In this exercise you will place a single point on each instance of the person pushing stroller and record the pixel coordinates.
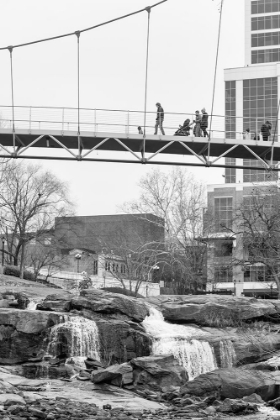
(184, 130)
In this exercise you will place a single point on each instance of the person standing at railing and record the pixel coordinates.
(266, 130)
(197, 127)
(204, 123)
(159, 119)
(247, 134)
(140, 131)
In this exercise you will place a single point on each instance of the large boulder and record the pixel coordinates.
(158, 373)
(22, 333)
(212, 310)
(120, 341)
(234, 383)
(110, 303)
(116, 375)
(56, 302)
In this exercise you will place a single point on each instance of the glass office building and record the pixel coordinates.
(252, 92)
(251, 98)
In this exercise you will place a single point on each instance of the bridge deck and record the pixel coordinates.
(155, 145)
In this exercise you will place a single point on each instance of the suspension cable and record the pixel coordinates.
(146, 82)
(215, 72)
(12, 92)
(83, 30)
(276, 123)
(274, 135)
(78, 76)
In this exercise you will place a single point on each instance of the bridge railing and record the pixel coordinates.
(111, 121)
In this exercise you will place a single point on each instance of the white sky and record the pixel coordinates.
(183, 41)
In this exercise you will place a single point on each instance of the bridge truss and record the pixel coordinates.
(113, 134)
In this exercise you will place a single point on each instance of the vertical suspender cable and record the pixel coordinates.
(274, 134)
(215, 75)
(146, 83)
(12, 90)
(78, 92)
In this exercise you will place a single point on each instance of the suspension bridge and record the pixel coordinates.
(84, 134)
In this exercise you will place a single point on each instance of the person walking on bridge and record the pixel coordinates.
(159, 118)
(204, 123)
(197, 122)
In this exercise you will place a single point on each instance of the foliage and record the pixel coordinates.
(121, 291)
(11, 270)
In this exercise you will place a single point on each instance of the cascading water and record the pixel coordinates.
(195, 356)
(75, 337)
(32, 306)
(227, 353)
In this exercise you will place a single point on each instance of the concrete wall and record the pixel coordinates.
(70, 281)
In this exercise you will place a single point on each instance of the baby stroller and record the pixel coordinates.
(184, 130)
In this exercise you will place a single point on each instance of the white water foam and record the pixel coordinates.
(80, 335)
(227, 353)
(195, 356)
(32, 306)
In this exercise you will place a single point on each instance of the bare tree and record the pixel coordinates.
(45, 253)
(255, 228)
(178, 199)
(258, 221)
(30, 200)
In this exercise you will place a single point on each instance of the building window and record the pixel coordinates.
(251, 175)
(265, 56)
(107, 266)
(123, 269)
(265, 22)
(223, 275)
(259, 105)
(265, 39)
(223, 248)
(230, 173)
(95, 267)
(223, 213)
(254, 273)
(115, 268)
(265, 6)
(230, 109)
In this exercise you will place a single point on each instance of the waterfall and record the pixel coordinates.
(227, 354)
(75, 337)
(194, 355)
(32, 306)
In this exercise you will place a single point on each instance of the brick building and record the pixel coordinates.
(111, 232)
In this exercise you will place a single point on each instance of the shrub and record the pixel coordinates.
(121, 291)
(12, 270)
(27, 275)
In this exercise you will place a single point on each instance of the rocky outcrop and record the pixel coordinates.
(22, 333)
(98, 302)
(158, 373)
(56, 302)
(118, 375)
(209, 310)
(110, 303)
(121, 342)
(234, 383)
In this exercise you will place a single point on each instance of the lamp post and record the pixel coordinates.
(3, 245)
(78, 257)
(154, 267)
